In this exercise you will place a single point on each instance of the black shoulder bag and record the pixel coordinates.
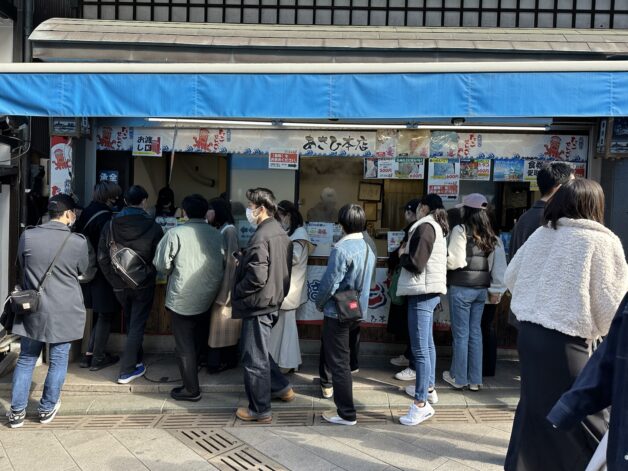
(348, 301)
(26, 301)
(127, 263)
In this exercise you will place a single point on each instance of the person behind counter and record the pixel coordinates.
(191, 255)
(351, 261)
(262, 283)
(224, 332)
(423, 280)
(98, 293)
(476, 263)
(165, 206)
(132, 228)
(284, 338)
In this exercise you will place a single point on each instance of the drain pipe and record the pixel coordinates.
(28, 29)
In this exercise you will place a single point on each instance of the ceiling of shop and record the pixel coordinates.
(60, 39)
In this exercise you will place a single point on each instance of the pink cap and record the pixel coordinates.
(474, 200)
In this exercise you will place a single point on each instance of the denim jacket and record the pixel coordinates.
(344, 272)
(603, 382)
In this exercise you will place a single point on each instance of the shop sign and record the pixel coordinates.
(444, 178)
(477, 170)
(146, 145)
(287, 160)
(379, 302)
(566, 147)
(321, 234)
(60, 165)
(203, 140)
(530, 171)
(68, 127)
(394, 239)
(406, 168)
(114, 138)
(508, 170)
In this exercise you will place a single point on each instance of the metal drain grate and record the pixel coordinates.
(376, 417)
(484, 416)
(188, 421)
(120, 421)
(207, 443)
(245, 459)
(60, 422)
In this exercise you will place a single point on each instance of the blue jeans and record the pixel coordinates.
(421, 333)
(466, 306)
(23, 374)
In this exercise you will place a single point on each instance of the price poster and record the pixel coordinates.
(475, 169)
(288, 160)
(444, 178)
(410, 168)
(321, 234)
(394, 239)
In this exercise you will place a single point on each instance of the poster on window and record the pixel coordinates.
(370, 167)
(386, 168)
(508, 170)
(286, 160)
(394, 239)
(386, 145)
(579, 168)
(60, 165)
(444, 178)
(413, 143)
(530, 171)
(321, 234)
(146, 145)
(410, 168)
(475, 169)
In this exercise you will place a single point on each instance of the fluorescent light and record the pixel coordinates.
(349, 126)
(216, 122)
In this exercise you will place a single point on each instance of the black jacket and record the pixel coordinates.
(98, 293)
(263, 274)
(529, 222)
(136, 230)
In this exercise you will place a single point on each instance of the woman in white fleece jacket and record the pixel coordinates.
(566, 282)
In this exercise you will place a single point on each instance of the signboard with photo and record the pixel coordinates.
(60, 165)
(508, 170)
(413, 143)
(444, 178)
(475, 169)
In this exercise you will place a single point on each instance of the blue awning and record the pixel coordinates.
(317, 96)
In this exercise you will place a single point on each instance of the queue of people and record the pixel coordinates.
(567, 277)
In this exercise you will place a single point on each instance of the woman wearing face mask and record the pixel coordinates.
(284, 337)
(224, 332)
(423, 279)
(98, 293)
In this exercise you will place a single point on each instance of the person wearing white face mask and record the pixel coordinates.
(284, 338)
(52, 253)
(262, 282)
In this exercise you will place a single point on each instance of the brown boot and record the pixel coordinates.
(288, 396)
(243, 413)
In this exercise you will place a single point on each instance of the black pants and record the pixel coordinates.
(550, 362)
(336, 362)
(222, 357)
(185, 331)
(489, 340)
(136, 305)
(324, 372)
(100, 334)
(262, 377)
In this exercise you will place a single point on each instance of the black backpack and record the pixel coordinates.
(127, 263)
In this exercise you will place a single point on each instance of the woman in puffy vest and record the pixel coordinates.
(423, 279)
(476, 263)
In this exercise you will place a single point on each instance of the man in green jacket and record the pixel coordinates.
(191, 255)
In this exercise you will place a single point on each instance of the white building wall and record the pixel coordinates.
(6, 40)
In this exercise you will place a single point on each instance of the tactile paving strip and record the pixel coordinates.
(487, 416)
(292, 418)
(184, 421)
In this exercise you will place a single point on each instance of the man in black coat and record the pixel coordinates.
(98, 293)
(132, 228)
(261, 284)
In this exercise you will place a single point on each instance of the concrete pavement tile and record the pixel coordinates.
(452, 465)
(127, 404)
(504, 427)
(342, 455)
(363, 399)
(209, 401)
(22, 453)
(398, 431)
(5, 463)
(299, 435)
(160, 451)
(97, 450)
(292, 456)
(495, 397)
(253, 436)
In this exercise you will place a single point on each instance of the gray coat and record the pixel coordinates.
(61, 314)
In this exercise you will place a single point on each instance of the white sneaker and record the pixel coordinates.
(406, 375)
(474, 387)
(327, 392)
(401, 360)
(333, 418)
(417, 414)
(451, 381)
(432, 397)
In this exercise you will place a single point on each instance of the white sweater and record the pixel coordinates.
(569, 279)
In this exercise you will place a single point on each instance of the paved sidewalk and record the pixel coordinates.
(88, 392)
(430, 446)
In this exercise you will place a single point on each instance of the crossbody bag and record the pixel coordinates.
(348, 301)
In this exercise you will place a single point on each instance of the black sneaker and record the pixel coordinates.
(47, 417)
(16, 419)
(104, 362)
(85, 361)
(181, 394)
